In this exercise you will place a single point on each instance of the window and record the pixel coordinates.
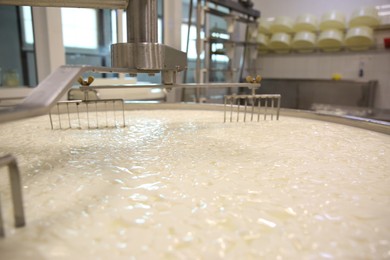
(192, 41)
(219, 46)
(28, 32)
(79, 28)
(114, 27)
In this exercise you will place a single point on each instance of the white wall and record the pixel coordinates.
(322, 66)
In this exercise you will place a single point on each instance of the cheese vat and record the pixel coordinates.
(180, 184)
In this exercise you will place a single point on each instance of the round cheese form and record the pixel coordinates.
(306, 22)
(280, 42)
(330, 40)
(304, 41)
(332, 20)
(365, 16)
(359, 38)
(182, 184)
(282, 24)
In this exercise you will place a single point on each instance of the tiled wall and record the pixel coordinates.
(376, 66)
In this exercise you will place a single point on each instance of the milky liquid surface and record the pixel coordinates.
(182, 184)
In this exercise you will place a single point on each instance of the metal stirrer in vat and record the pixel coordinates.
(94, 109)
(254, 101)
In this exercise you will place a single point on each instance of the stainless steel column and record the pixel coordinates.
(142, 21)
(142, 52)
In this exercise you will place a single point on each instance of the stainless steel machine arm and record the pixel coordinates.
(101, 4)
(55, 86)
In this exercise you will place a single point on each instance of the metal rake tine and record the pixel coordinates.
(231, 109)
(278, 109)
(238, 109)
(86, 104)
(123, 113)
(246, 104)
(59, 117)
(97, 117)
(253, 108)
(78, 114)
(269, 104)
(67, 110)
(105, 108)
(224, 109)
(113, 109)
(91, 105)
(51, 121)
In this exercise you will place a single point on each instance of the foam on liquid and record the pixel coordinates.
(181, 184)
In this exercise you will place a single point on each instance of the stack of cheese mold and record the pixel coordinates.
(330, 40)
(329, 34)
(360, 35)
(365, 16)
(282, 24)
(280, 42)
(305, 39)
(332, 20)
(331, 37)
(359, 38)
(306, 22)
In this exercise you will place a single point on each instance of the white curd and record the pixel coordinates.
(182, 184)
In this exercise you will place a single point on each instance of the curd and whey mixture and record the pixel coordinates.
(184, 185)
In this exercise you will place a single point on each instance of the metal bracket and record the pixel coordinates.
(16, 189)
